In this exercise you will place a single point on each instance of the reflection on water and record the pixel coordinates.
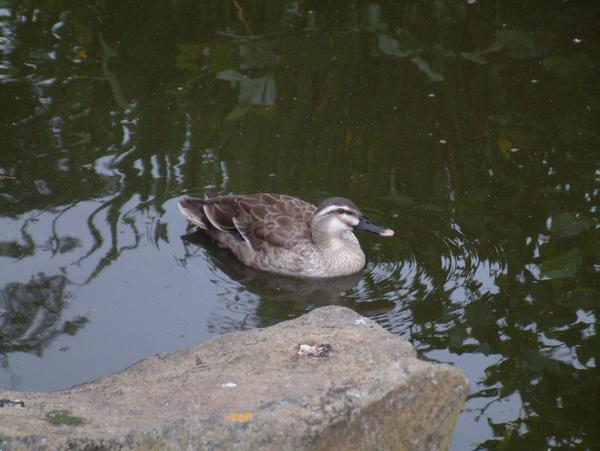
(268, 298)
(31, 314)
(468, 127)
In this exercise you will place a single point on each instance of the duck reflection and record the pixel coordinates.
(281, 297)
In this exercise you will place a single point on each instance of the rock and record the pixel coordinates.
(353, 386)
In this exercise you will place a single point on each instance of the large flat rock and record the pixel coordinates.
(252, 390)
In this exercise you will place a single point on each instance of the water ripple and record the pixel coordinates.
(446, 266)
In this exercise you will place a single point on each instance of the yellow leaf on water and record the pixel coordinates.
(504, 144)
(79, 53)
(242, 416)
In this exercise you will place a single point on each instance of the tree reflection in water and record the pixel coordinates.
(30, 314)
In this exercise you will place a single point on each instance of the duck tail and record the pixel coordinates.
(193, 210)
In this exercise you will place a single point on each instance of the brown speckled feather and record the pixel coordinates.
(262, 219)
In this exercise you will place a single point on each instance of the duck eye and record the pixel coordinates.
(341, 211)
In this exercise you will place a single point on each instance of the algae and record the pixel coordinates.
(63, 417)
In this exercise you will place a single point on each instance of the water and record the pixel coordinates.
(470, 128)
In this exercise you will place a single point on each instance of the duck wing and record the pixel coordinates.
(262, 219)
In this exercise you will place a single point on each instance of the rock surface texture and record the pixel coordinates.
(353, 386)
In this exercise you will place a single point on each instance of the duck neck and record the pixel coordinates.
(342, 251)
(335, 242)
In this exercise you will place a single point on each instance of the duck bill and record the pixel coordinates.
(365, 225)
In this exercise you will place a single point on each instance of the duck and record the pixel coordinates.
(283, 234)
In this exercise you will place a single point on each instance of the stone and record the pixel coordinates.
(353, 386)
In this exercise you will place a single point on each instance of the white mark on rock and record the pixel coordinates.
(356, 394)
(322, 350)
(229, 385)
(360, 322)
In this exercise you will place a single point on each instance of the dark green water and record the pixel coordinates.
(472, 128)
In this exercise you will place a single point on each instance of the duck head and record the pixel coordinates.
(337, 216)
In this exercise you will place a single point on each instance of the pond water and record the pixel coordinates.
(471, 128)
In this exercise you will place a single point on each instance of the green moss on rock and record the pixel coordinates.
(63, 417)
